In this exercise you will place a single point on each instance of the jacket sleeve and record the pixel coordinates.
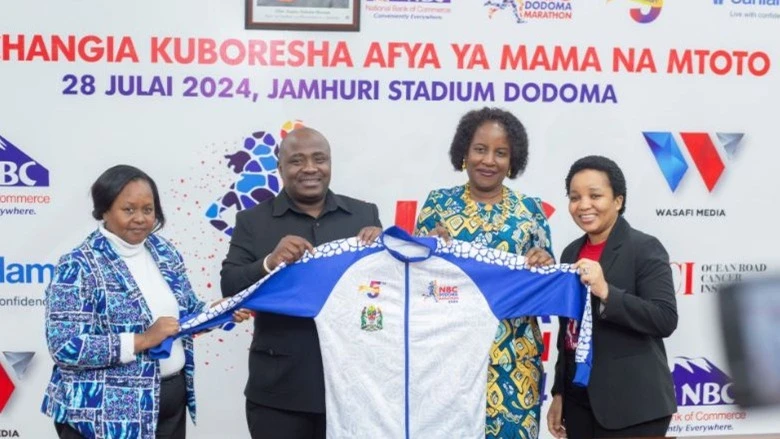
(241, 267)
(428, 217)
(73, 314)
(560, 363)
(192, 302)
(652, 308)
(542, 237)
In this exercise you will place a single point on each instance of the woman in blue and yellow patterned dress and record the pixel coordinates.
(491, 144)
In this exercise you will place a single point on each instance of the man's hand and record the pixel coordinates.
(290, 249)
(239, 315)
(367, 235)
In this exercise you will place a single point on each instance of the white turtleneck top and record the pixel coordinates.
(155, 291)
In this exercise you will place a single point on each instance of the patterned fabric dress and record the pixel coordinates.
(513, 403)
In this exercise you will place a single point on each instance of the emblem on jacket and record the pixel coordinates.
(372, 289)
(441, 293)
(371, 318)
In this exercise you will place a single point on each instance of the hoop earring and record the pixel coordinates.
(463, 167)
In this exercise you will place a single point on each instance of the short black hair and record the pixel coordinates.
(515, 135)
(112, 181)
(600, 163)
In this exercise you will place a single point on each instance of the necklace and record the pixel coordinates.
(472, 211)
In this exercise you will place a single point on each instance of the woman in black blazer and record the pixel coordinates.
(630, 392)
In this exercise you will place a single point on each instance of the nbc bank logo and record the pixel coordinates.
(698, 382)
(19, 169)
(702, 150)
(647, 10)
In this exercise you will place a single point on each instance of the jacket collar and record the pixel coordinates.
(282, 203)
(615, 241)
(153, 243)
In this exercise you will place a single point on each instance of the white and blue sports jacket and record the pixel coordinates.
(405, 326)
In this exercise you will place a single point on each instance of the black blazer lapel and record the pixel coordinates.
(609, 255)
(569, 255)
(615, 241)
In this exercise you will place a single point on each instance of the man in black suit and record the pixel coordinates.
(630, 392)
(285, 393)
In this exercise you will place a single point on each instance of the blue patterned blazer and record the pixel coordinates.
(93, 298)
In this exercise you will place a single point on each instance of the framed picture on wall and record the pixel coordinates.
(332, 15)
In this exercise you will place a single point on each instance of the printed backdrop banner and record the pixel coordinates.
(198, 94)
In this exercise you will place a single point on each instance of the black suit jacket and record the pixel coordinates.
(630, 381)
(285, 364)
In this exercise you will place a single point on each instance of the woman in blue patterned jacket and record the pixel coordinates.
(118, 294)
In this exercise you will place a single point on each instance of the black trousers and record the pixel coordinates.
(172, 419)
(270, 423)
(580, 424)
(65, 431)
